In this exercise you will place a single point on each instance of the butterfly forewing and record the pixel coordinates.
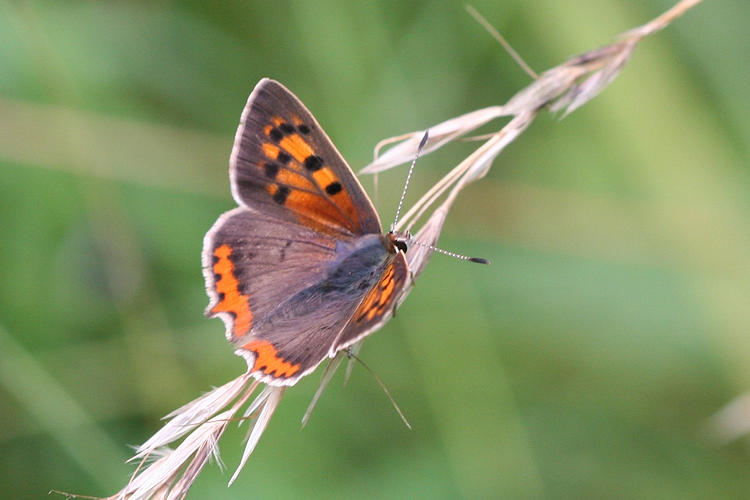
(283, 158)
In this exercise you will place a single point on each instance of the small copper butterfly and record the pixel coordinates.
(301, 269)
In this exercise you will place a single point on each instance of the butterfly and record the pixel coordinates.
(301, 269)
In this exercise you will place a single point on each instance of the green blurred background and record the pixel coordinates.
(584, 362)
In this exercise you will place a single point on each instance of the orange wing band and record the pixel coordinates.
(379, 298)
(227, 286)
(268, 361)
(299, 173)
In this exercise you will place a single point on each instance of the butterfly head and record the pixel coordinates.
(398, 242)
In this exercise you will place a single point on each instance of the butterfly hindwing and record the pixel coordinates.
(252, 261)
(286, 291)
(283, 157)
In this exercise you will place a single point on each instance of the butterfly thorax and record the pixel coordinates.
(359, 264)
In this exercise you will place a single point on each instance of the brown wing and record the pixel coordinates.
(283, 158)
(377, 307)
(284, 290)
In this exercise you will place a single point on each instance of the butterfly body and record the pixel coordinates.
(301, 268)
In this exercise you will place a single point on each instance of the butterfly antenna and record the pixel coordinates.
(408, 177)
(477, 260)
(382, 386)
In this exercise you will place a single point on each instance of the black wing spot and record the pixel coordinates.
(287, 128)
(276, 134)
(313, 163)
(281, 195)
(283, 158)
(304, 129)
(333, 188)
(271, 169)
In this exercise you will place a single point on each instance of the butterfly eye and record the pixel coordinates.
(400, 245)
